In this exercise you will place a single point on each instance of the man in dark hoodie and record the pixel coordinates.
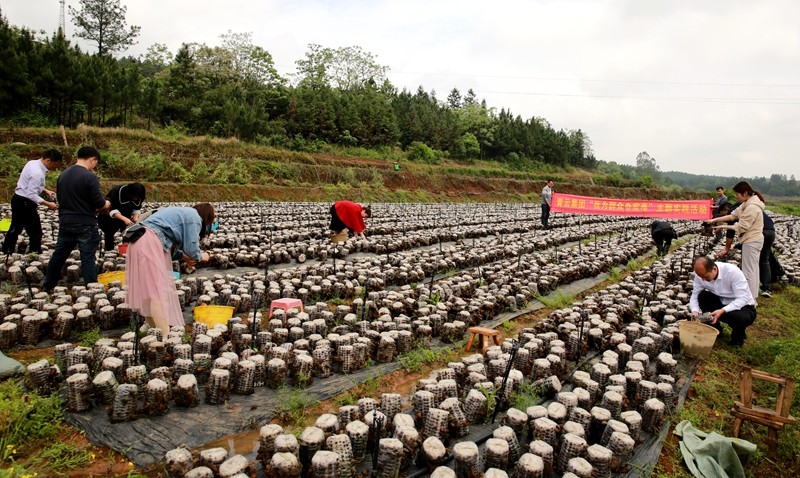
(662, 233)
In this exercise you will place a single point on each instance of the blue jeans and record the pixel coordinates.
(87, 238)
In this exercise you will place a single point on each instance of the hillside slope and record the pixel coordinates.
(202, 168)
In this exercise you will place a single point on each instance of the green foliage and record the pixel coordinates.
(509, 327)
(87, 338)
(419, 151)
(103, 22)
(27, 417)
(231, 173)
(291, 405)
(61, 456)
(491, 400)
(556, 300)
(413, 361)
(525, 396)
(11, 164)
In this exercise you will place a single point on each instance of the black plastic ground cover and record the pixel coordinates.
(145, 440)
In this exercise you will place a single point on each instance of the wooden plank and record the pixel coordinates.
(746, 386)
(769, 377)
(758, 420)
(786, 404)
(483, 331)
(765, 413)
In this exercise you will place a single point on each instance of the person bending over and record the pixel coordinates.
(349, 216)
(662, 233)
(126, 204)
(721, 290)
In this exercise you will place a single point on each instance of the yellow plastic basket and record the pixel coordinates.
(213, 314)
(5, 224)
(107, 277)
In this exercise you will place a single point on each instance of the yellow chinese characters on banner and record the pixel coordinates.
(695, 209)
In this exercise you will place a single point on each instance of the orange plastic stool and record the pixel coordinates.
(285, 304)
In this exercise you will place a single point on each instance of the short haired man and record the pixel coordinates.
(547, 201)
(721, 199)
(80, 199)
(721, 289)
(26, 201)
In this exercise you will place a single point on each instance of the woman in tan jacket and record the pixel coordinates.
(749, 229)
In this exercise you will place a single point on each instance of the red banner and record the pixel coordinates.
(696, 209)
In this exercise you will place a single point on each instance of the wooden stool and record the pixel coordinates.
(774, 419)
(483, 337)
(285, 304)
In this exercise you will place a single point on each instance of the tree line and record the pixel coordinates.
(337, 96)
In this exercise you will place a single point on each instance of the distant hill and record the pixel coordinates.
(776, 185)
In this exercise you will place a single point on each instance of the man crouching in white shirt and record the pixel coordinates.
(721, 290)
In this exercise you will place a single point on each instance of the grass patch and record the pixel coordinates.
(30, 425)
(525, 396)
(292, 405)
(414, 360)
(773, 345)
(509, 327)
(87, 338)
(556, 300)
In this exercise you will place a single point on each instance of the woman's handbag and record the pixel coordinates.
(133, 233)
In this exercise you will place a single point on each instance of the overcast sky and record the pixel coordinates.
(705, 87)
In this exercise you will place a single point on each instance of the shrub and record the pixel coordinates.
(419, 151)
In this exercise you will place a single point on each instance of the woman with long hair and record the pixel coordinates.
(749, 228)
(172, 233)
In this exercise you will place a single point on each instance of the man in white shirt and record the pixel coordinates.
(547, 201)
(721, 290)
(26, 201)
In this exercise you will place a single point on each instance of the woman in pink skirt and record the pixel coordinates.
(174, 232)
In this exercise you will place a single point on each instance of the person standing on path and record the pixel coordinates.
(80, 199)
(764, 268)
(749, 228)
(26, 201)
(547, 200)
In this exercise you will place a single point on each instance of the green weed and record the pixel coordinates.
(87, 338)
(61, 456)
(509, 327)
(556, 300)
(413, 360)
(27, 417)
(525, 396)
(292, 405)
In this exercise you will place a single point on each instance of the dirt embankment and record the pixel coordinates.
(315, 177)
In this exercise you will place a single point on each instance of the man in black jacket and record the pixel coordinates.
(79, 200)
(662, 233)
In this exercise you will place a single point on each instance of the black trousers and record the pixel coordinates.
(110, 227)
(663, 240)
(24, 216)
(337, 225)
(764, 271)
(737, 320)
(545, 215)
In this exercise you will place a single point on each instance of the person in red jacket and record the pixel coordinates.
(347, 215)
